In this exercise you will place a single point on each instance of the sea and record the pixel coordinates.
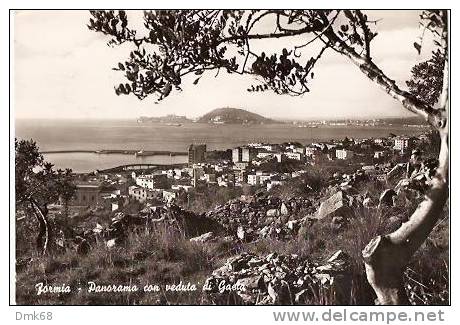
(55, 135)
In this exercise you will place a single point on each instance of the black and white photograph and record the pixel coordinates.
(230, 157)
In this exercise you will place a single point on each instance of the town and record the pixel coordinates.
(260, 166)
(259, 219)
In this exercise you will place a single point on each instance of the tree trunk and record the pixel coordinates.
(386, 257)
(44, 233)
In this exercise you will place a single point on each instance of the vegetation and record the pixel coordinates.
(160, 256)
(190, 42)
(37, 185)
(203, 197)
(229, 115)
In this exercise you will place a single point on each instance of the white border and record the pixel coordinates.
(200, 314)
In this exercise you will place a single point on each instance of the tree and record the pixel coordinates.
(189, 42)
(38, 185)
(427, 77)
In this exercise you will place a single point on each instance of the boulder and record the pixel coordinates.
(240, 233)
(278, 279)
(273, 213)
(387, 198)
(334, 205)
(111, 243)
(203, 238)
(253, 282)
(284, 209)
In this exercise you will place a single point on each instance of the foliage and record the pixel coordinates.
(36, 179)
(192, 41)
(427, 79)
(37, 185)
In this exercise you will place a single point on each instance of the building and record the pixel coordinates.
(87, 194)
(241, 165)
(198, 173)
(253, 179)
(180, 187)
(226, 180)
(170, 195)
(152, 181)
(196, 153)
(210, 177)
(310, 151)
(402, 144)
(242, 154)
(241, 177)
(379, 154)
(344, 154)
(143, 194)
(280, 157)
(294, 155)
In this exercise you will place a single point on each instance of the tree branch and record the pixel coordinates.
(408, 100)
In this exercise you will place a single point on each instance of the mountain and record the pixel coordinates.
(230, 115)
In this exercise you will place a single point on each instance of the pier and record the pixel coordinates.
(134, 167)
(139, 153)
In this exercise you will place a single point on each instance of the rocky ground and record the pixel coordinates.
(251, 278)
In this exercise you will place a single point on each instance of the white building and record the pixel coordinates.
(278, 155)
(149, 181)
(310, 151)
(242, 154)
(142, 194)
(402, 143)
(253, 179)
(294, 155)
(344, 154)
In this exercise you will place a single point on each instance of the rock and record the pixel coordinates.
(301, 296)
(98, 229)
(255, 261)
(387, 198)
(337, 222)
(367, 202)
(203, 238)
(272, 293)
(284, 209)
(254, 282)
(273, 213)
(292, 224)
(111, 243)
(240, 233)
(335, 204)
(278, 279)
(339, 255)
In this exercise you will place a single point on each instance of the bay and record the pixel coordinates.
(53, 135)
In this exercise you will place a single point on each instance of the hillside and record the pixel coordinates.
(229, 115)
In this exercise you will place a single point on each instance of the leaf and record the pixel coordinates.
(122, 89)
(121, 66)
(167, 90)
(196, 81)
(418, 47)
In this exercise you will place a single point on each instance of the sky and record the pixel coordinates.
(64, 70)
